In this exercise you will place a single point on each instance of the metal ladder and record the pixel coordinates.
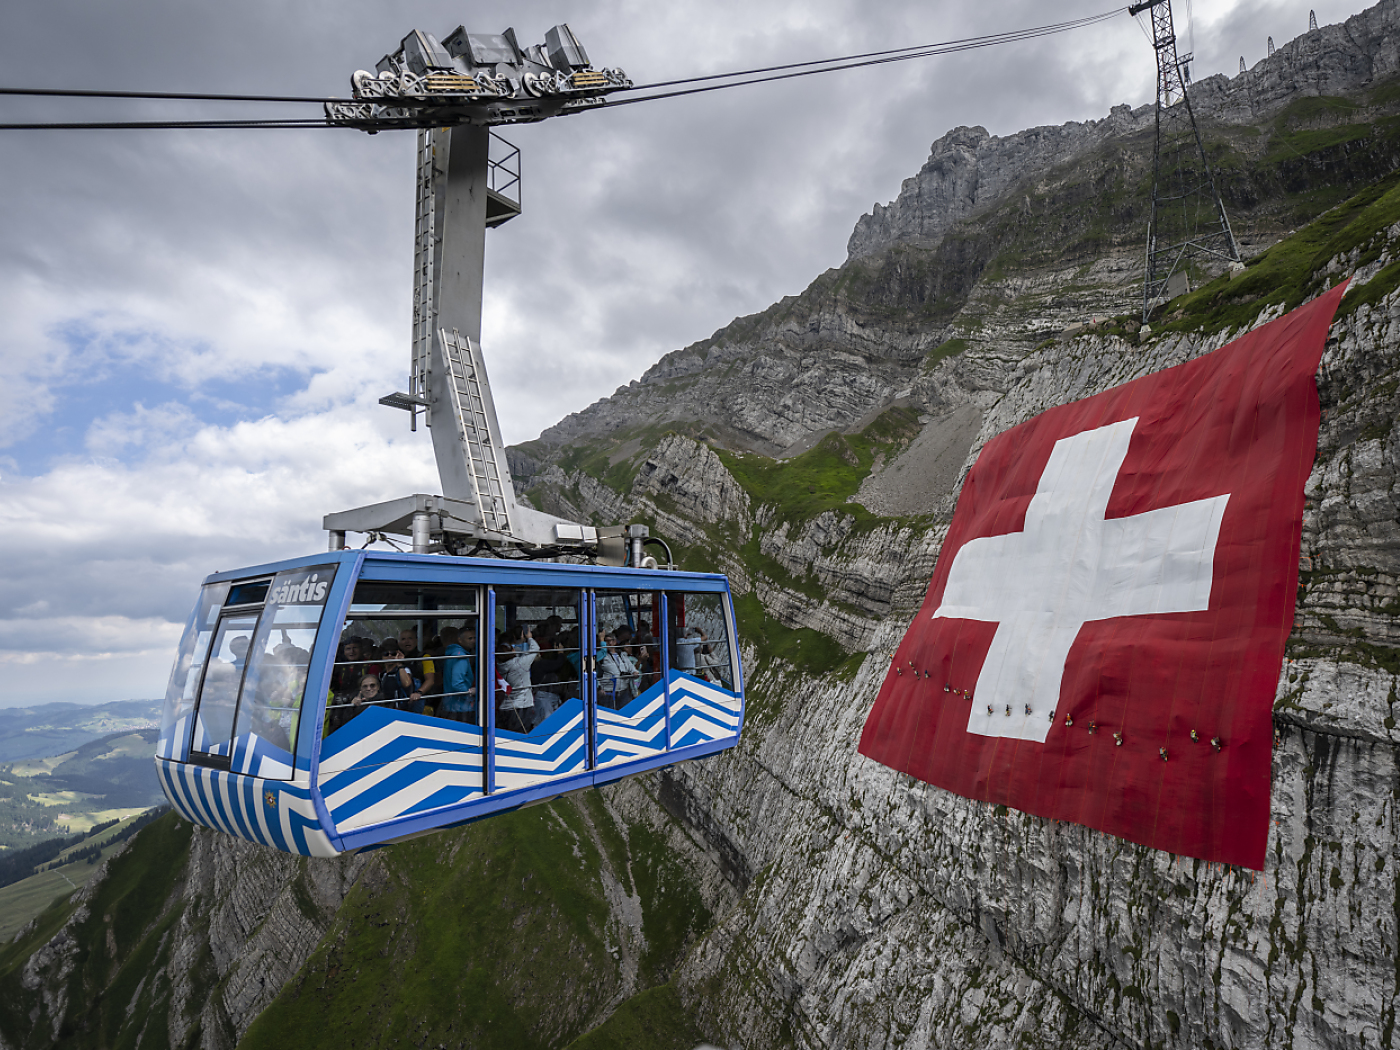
(424, 245)
(476, 420)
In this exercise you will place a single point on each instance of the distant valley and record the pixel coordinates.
(66, 767)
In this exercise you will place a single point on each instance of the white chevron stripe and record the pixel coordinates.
(515, 763)
(232, 805)
(379, 770)
(683, 683)
(527, 745)
(704, 695)
(642, 734)
(728, 723)
(441, 738)
(709, 730)
(399, 803)
(612, 717)
(186, 804)
(706, 698)
(206, 807)
(509, 780)
(611, 756)
(466, 760)
(211, 790)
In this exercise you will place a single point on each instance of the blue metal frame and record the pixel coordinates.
(665, 648)
(486, 697)
(204, 795)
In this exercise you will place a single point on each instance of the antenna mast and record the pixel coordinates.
(1187, 216)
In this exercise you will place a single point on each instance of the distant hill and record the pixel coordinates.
(53, 729)
(101, 779)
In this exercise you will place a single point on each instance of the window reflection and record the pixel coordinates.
(538, 656)
(629, 650)
(698, 636)
(218, 698)
(189, 668)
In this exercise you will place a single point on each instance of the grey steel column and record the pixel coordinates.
(460, 266)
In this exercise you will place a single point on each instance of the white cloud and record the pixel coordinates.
(233, 303)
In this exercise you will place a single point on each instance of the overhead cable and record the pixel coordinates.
(741, 78)
(907, 52)
(100, 124)
(834, 65)
(174, 96)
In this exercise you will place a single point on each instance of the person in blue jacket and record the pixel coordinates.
(458, 701)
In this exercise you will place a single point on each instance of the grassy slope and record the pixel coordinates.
(493, 935)
(110, 993)
(23, 900)
(1292, 270)
(653, 1020)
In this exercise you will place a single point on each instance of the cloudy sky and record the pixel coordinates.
(195, 326)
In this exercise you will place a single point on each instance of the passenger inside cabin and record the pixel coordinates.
(551, 677)
(458, 701)
(397, 682)
(366, 694)
(617, 673)
(690, 640)
(514, 655)
(349, 669)
(427, 670)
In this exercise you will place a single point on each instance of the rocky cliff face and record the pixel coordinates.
(184, 941)
(891, 913)
(883, 912)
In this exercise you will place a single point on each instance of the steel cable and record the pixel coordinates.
(742, 78)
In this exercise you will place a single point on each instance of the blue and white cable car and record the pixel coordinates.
(279, 729)
(344, 700)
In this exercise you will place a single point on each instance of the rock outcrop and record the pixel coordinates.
(970, 170)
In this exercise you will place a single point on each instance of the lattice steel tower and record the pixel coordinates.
(1188, 218)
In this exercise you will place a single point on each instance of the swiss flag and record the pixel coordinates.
(1103, 634)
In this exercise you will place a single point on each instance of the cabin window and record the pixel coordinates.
(223, 674)
(698, 637)
(189, 668)
(270, 705)
(539, 650)
(410, 647)
(629, 647)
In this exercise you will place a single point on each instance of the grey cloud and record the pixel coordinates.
(645, 228)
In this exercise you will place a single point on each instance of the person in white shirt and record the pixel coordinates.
(517, 652)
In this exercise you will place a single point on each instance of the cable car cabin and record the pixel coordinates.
(304, 714)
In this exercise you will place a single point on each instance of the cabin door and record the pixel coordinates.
(631, 686)
(541, 688)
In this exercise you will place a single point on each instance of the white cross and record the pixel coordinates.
(1070, 566)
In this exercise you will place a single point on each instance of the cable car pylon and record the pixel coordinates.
(1187, 218)
(454, 92)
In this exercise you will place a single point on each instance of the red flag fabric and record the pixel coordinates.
(1103, 634)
